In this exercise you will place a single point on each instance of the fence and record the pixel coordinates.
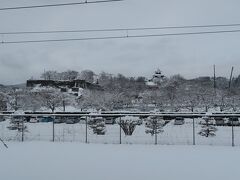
(187, 133)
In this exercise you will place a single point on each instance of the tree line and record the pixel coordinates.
(120, 92)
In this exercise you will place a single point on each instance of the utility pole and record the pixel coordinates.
(214, 78)
(230, 80)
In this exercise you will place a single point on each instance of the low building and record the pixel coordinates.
(63, 84)
(74, 87)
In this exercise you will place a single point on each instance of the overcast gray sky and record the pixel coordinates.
(190, 56)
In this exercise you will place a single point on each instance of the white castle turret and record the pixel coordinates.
(158, 76)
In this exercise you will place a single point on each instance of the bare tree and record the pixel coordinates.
(206, 97)
(101, 100)
(87, 75)
(32, 101)
(50, 75)
(69, 75)
(171, 95)
(16, 99)
(105, 80)
(51, 98)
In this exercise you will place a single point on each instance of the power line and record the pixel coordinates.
(121, 29)
(121, 37)
(57, 5)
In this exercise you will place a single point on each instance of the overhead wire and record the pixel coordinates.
(57, 5)
(121, 29)
(122, 37)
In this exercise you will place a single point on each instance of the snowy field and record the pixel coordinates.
(172, 135)
(75, 161)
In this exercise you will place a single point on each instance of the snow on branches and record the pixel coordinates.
(128, 124)
(97, 124)
(154, 125)
(50, 98)
(208, 130)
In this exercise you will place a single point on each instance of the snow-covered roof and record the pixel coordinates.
(150, 83)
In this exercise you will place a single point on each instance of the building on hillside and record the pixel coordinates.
(74, 85)
(156, 79)
(151, 85)
(158, 76)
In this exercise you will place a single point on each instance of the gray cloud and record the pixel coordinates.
(191, 56)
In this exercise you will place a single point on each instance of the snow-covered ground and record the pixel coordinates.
(74, 161)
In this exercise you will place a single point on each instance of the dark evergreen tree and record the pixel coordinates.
(208, 129)
(97, 125)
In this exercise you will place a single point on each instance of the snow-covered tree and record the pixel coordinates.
(155, 97)
(50, 75)
(188, 97)
(69, 75)
(87, 75)
(105, 79)
(32, 101)
(208, 130)
(17, 123)
(3, 103)
(101, 100)
(97, 124)
(154, 126)
(51, 98)
(16, 99)
(128, 124)
(171, 89)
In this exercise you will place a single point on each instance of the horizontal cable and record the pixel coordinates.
(121, 29)
(121, 37)
(56, 5)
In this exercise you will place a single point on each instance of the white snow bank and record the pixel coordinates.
(74, 161)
